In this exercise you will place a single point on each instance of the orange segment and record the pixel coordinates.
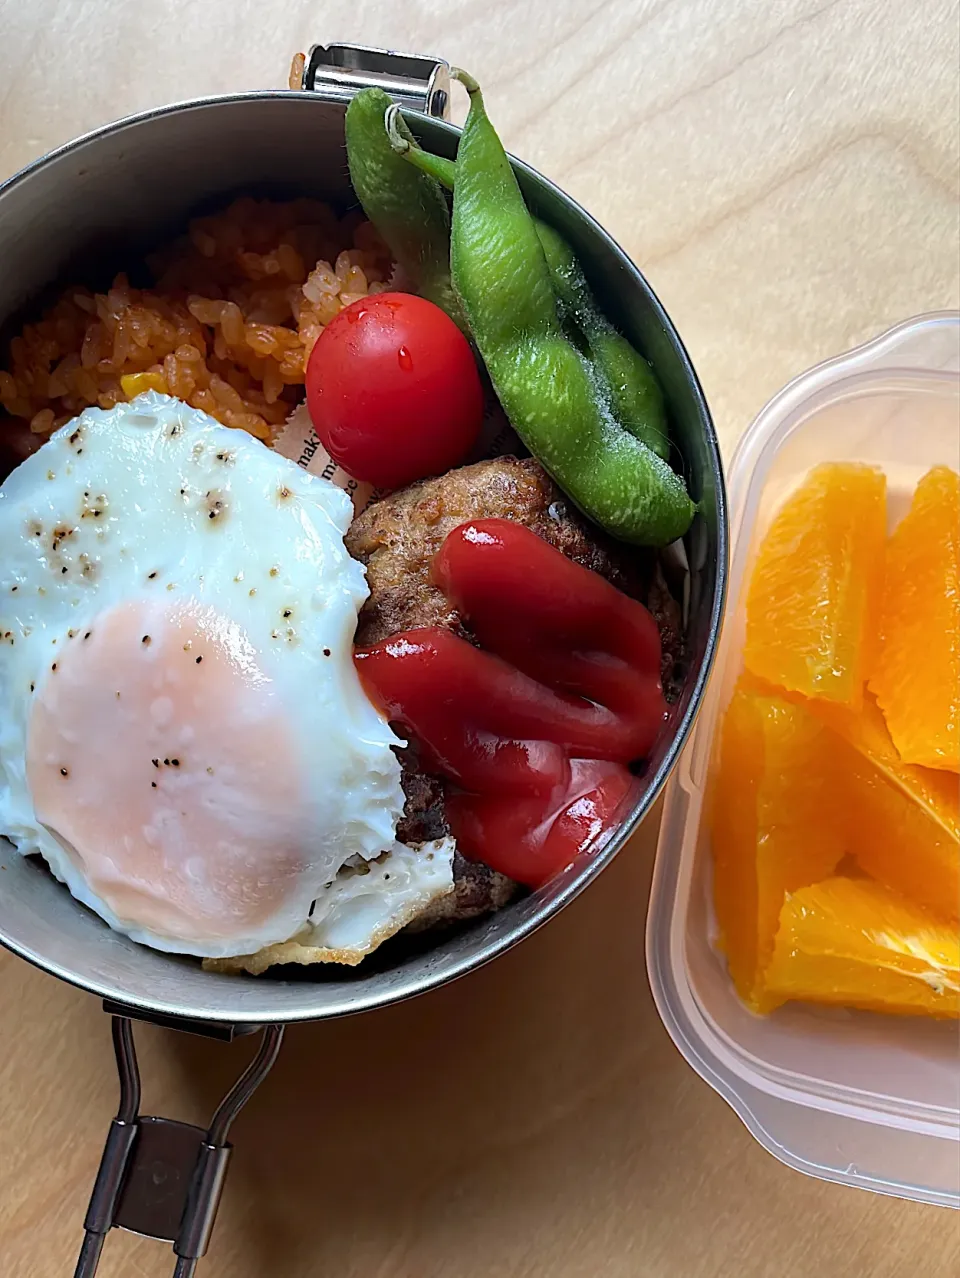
(902, 822)
(916, 674)
(815, 586)
(774, 824)
(854, 942)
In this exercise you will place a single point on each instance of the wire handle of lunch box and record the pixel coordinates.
(159, 1177)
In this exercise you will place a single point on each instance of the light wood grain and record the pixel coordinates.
(787, 175)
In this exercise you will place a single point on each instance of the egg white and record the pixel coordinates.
(155, 501)
(365, 905)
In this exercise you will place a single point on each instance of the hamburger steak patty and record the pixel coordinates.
(476, 888)
(396, 538)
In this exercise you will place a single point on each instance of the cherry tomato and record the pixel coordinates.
(393, 390)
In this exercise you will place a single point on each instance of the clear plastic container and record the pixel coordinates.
(848, 1096)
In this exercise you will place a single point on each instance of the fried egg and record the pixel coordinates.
(183, 736)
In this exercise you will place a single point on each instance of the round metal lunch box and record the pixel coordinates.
(96, 205)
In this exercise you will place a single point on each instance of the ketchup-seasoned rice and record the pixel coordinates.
(228, 326)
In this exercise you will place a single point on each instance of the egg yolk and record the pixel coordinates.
(158, 754)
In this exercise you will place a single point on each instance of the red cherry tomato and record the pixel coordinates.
(393, 390)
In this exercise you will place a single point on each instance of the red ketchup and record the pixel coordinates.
(532, 729)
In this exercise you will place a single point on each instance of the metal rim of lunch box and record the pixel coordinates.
(142, 1153)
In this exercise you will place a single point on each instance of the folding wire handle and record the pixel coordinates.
(159, 1177)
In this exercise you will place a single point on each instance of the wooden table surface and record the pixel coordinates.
(787, 175)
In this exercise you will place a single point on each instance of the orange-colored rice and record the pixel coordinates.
(236, 308)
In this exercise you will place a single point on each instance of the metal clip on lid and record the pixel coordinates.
(159, 1177)
(338, 71)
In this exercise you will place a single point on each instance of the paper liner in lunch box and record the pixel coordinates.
(299, 442)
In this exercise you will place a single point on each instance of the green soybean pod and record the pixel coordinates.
(636, 399)
(547, 388)
(407, 207)
(403, 143)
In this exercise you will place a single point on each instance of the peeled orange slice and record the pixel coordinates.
(816, 583)
(854, 942)
(775, 826)
(916, 672)
(902, 822)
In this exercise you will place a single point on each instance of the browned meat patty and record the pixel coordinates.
(476, 888)
(396, 539)
(666, 612)
(423, 817)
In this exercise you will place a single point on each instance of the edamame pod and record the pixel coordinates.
(636, 399)
(404, 144)
(635, 395)
(407, 208)
(547, 388)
